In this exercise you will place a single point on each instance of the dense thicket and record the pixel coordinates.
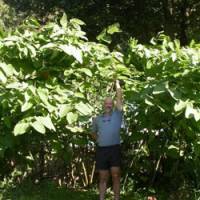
(52, 81)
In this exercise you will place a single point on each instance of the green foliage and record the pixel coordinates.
(52, 81)
(105, 35)
(51, 69)
(50, 89)
(164, 117)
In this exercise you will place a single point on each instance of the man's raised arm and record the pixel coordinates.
(119, 103)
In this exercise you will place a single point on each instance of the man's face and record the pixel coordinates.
(108, 104)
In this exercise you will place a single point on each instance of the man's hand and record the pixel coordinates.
(119, 95)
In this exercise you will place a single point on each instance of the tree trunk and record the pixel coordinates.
(183, 22)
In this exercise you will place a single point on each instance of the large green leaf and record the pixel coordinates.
(103, 36)
(64, 21)
(86, 71)
(7, 69)
(77, 21)
(75, 129)
(46, 121)
(2, 77)
(43, 95)
(32, 50)
(114, 28)
(72, 51)
(64, 109)
(122, 69)
(21, 128)
(84, 109)
(192, 112)
(180, 105)
(38, 126)
(13, 85)
(26, 106)
(72, 117)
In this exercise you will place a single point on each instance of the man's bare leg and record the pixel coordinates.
(115, 172)
(103, 179)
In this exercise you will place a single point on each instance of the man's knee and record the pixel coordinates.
(103, 176)
(116, 175)
(115, 172)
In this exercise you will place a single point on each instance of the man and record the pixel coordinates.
(106, 131)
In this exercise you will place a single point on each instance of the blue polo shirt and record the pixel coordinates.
(108, 128)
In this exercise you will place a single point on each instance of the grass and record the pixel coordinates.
(44, 191)
(49, 191)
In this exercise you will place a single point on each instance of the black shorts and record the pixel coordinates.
(107, 157)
